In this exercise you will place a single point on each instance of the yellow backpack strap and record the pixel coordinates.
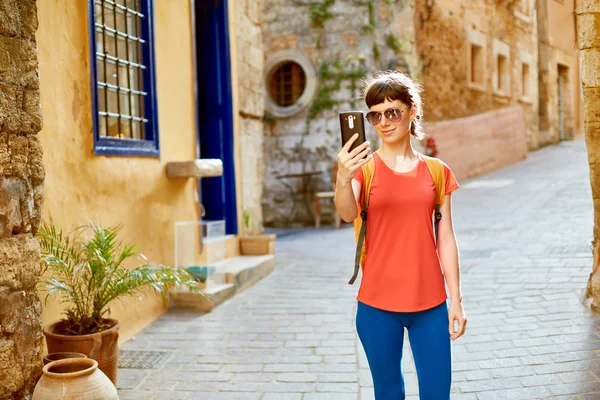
(436, 169)
(360, 223)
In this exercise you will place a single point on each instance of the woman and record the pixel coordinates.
(402, 284)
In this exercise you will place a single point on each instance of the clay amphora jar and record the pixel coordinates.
(74, 379)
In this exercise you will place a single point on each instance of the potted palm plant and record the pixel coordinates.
(85, 269)
(254, 242)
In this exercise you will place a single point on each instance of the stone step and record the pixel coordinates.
(232, 276)
(243, 271)
(214, 294)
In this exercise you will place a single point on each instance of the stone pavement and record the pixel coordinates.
(524, 236)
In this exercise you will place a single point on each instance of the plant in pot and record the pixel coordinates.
(85, 269)
(254, 242)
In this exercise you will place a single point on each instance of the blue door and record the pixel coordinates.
(215, 120)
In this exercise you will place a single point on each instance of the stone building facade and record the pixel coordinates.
(248, 74)
(326, 48)
(559, 77)
(477, 57)
(474, 59)
(21, 200)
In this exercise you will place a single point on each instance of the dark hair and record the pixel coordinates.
(395, 85)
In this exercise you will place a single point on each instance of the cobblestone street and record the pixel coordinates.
(524, 235)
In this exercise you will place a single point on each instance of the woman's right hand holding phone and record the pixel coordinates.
(350, 161)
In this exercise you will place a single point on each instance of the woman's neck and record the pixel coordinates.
(399, 151)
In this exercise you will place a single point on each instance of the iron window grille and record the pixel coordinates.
(123, 79)
(287, 84)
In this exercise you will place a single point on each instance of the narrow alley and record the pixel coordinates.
(524, 235)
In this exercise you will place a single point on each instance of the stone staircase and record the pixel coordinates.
(233, 274)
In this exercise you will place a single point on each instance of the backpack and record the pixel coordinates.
(436, 169)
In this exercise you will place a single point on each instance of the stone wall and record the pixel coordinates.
(21, 200)
(558, 60)
(588, 26)
(445, 32)
(337, 42)
(250, 61)
(481, 143)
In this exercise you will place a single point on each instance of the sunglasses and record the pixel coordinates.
(392, 115)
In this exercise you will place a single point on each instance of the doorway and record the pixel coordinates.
(563, 102)
(215, 111)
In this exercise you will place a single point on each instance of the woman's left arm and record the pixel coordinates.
(448, 252)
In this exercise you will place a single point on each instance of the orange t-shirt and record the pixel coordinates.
(402, 271)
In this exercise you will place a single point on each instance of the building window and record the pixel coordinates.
(476, 64)
(525, 80)
(290, 83)
(287, 83)
(124, 88)
(502, 83)
(476, 48)
(502, 68)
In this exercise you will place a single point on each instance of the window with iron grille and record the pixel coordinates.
(123, 81)
(287, 84)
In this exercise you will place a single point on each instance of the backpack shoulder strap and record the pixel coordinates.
(438, 174)
(360, 223)
(368, 170)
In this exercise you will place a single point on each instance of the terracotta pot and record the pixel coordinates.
(74, 379)
(101, 346)
(48, 358)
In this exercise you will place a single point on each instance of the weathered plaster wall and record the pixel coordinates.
(132, 191)
(21, 200)
(444, 31)
(352, 41)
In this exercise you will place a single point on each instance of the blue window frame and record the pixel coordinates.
(123, 78)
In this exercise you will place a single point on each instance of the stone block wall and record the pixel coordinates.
(250, 62)
(445, 32)
(354, 38)
(21, 200)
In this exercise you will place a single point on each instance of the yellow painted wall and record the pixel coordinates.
(132, 191)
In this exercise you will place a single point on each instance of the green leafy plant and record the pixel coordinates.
(370, 27)
(247, 220)
(331, 75)
(252, 226)
(319, 13)
(395, 44)
(376, 51)
(85, 271)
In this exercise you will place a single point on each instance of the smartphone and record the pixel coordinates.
(352, 122)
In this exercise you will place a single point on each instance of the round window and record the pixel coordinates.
(290, 83)
(287, 83)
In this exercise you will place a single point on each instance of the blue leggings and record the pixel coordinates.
(382, 335)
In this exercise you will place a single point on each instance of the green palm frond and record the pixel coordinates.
(87, 272)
